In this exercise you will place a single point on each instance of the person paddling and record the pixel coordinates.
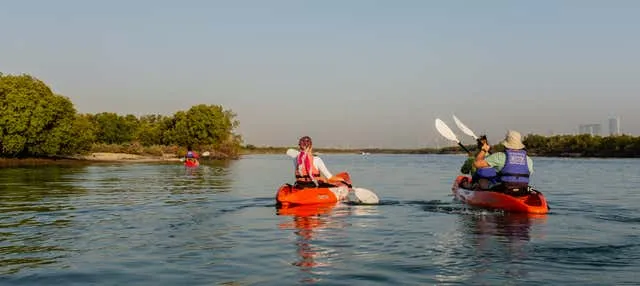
(310, 170)
(192, 156)
(485, 177)
(513, 166)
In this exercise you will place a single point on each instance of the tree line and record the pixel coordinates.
(35, 122)
(582, 145)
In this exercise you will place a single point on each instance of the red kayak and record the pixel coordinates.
(533, 203)
(191, 163)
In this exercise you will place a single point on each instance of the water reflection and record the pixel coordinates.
(307, 220)
(500, 243)
(486, 245)
(211, 173)
(34, 204)
(514, 228)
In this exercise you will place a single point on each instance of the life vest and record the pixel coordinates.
(190, 154)
(488, 173)
(516, 168)
(302, 172)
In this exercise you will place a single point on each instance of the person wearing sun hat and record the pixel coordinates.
(513, 165)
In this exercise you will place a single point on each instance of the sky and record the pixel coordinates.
(348, 73)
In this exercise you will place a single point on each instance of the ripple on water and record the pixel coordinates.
(160, 224)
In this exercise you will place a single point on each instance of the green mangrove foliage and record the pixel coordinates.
(583, 145)
(35, 122)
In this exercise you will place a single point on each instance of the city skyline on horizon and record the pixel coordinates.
(614, 127)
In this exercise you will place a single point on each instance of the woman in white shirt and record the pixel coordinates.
(310, 170)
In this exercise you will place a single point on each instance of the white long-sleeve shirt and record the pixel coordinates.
(319, 164)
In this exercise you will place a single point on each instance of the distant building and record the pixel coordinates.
(614, 126)
(591, 129)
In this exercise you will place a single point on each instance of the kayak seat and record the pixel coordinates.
(306, 185)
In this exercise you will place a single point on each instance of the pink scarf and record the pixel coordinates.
(304, 162)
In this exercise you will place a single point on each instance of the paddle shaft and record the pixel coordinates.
(465, 148)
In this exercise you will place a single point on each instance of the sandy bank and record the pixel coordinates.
(124, 157)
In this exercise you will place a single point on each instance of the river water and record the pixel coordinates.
(159, 224)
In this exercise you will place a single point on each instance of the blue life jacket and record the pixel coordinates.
(516, 168)
(189, 154)
(488, 173)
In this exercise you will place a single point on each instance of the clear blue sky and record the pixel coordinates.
(357, 73)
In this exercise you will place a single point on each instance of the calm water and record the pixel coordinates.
(157, 224)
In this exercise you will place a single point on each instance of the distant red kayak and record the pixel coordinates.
(534, 203)
(191, 163)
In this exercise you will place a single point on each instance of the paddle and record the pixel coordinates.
(464, 128)
(358, 195)
(467, 130)
(446, 132)
(293, 153)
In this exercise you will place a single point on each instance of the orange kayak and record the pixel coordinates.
(288, 195)
(533, 203)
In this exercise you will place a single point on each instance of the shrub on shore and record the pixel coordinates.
(36, 123)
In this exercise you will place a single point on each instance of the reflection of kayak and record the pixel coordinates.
(191, 163)
(307, 210)
(534, 202)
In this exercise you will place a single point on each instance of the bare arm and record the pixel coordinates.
(480, 162)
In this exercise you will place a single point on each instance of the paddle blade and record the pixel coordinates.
(464, 128)
(445, 131)
(363, 196)
(293, 153)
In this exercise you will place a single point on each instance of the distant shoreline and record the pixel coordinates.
(98, 157)
(423, 151)
(282, 150)
(108, 157)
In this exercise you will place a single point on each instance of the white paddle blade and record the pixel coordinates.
(293, 153)
(363, 196)
(464, 128)
(445, 130)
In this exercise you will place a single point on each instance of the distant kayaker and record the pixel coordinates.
(310, 170)
(191, 156)
(513, 166)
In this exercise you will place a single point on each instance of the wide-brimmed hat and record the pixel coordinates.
(513, 140)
